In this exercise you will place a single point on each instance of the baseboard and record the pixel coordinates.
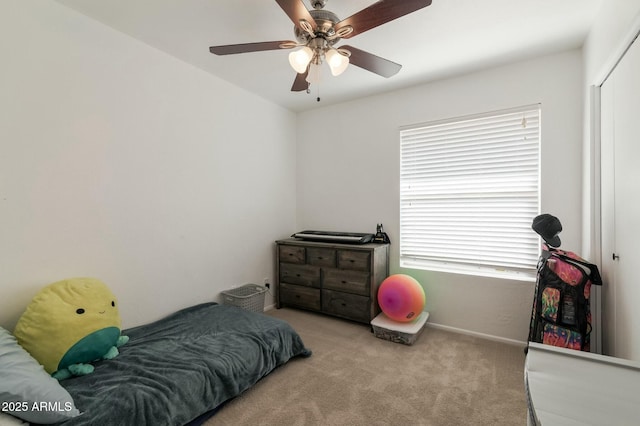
(514, 342)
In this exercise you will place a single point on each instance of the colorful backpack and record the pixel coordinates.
(561, 313)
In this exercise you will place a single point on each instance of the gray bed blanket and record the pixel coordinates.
(173, 370)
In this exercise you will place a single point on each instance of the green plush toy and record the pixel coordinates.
(69, 324)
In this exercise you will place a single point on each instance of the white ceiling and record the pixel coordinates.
(447, 38)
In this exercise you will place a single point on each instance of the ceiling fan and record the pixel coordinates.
(318, 30)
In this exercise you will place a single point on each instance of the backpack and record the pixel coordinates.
(561, 313)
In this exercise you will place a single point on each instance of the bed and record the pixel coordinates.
(180, 369)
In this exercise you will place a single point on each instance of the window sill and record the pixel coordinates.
(475, 270)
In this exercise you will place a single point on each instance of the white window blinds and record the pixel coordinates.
(469, 190)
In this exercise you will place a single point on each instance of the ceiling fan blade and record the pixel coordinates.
(371, 62)
(297, 11)
(380, 13)
(300, 84)
(230, 49)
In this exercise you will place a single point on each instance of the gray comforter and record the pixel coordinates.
(173, 370)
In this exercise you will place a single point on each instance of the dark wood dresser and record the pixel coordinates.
(332, 278)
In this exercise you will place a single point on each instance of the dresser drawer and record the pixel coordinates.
(291, 254)
(352, 259)
(321, 257)
(306, 275)
(304, 297)
(355, 282)
(346, 305)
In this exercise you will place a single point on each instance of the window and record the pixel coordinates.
(469, 190)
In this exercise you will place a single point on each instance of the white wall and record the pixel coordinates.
(616, 23)
(348, 174)
(120, 162)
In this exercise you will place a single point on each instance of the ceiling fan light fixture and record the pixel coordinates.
(299, 59)
(314, 76)
(338, 62)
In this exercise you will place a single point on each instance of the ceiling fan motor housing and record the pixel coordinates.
(325, 21)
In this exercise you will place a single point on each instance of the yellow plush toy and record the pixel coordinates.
(69, 324)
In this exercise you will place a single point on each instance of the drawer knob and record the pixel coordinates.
(344, 282)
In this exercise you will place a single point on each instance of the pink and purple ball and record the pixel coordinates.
(401, 297)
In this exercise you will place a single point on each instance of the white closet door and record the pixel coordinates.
(620, 97)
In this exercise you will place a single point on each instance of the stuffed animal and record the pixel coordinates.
(69, 324)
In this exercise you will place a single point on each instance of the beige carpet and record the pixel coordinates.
(354, 378)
